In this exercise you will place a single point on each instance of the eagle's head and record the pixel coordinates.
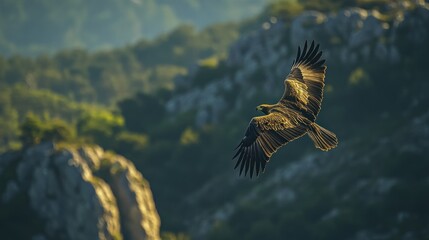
(265, 108)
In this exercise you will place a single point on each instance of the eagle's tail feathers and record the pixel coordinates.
(322, 138)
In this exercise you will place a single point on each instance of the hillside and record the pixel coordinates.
(106, 76)
(369, 188)
(100, 24)
(375, 92)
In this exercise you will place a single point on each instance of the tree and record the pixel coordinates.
(31, 130)
(100, 127)
(34, 131)
(58, 131)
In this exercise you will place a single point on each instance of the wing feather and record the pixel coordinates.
(304, 52)
(309, 52)
(314, 54)
(298, 54)
(253, 161)
(263, 137)
(304, 85)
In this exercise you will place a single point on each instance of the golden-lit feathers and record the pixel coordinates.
(292, 117)
(299, 90)
(274, 121)
(264, 136)
(304, 85)
(323, 139)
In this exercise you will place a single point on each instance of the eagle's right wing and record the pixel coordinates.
(263, 137)
(305, 82)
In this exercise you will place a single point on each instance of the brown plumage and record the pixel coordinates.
(292, 117)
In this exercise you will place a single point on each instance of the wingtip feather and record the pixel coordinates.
(298, 54)
(309, 55)
(304, 51)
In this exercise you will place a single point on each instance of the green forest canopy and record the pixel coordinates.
(100, 24)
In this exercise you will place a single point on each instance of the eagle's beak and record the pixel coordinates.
(258, 108)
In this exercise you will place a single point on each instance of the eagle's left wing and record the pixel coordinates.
(263, 137)
(304, 84)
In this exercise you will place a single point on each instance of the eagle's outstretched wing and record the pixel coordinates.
(304, 84)
(263, 137)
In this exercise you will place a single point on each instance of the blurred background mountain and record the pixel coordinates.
(171, 86)
(42, 26)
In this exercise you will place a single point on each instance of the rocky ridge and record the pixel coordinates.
(83, 193)
(348, 37)
(368, 177)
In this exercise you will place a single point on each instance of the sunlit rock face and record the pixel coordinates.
(259, 61)
(82, 193)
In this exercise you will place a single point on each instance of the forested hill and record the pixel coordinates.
(73, 85)
(106, 76)
(34, 27)
(46, 26)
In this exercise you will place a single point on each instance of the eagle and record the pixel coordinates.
(293, 116)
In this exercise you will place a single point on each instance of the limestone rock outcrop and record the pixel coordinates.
(83, 193)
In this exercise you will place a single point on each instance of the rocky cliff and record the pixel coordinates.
(83, 193)
(349, 37)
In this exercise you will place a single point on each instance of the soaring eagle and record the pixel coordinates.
(290, 118)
